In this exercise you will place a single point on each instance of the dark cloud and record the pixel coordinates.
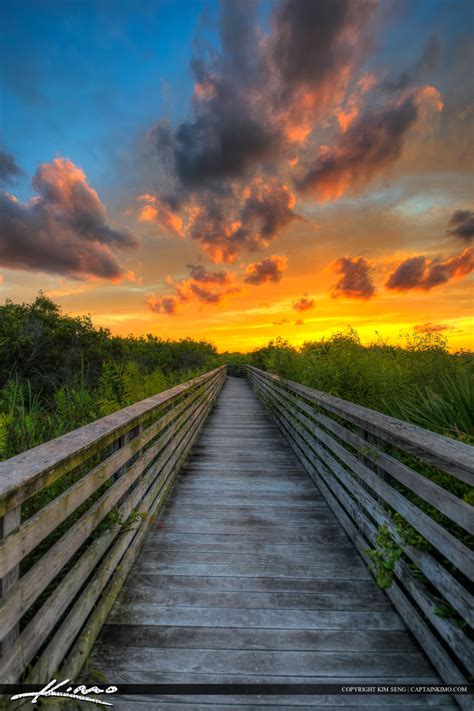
(313, 41)
(425, 273)
(255, 100)
(162, 304)
(461, 224)
(229, 131)
(371, 143)
(200, 274)
(222, 147)
(9, 170)
(303, 304)
(356, 278)
(267, 208)
(247, 220)
(63, 230)
(268, 270)
(204, 295)
(196, 288)
(408, 275)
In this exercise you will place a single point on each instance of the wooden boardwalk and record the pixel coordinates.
(248, 577)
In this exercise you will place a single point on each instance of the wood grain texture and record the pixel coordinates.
(66, 611)
(453, 457)
(30, 471)
(356, 495)
(248, 575)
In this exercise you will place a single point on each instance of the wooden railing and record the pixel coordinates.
(73, 514)
(385, 481)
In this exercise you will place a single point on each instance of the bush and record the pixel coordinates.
(421, 382)
(59, 372)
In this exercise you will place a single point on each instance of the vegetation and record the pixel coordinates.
(421, 382)
(59, 372)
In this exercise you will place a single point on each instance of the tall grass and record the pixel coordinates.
(28, 419)
(421, 382)
(58, 372)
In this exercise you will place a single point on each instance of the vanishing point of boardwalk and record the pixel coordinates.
(247, 576)
(222, 531)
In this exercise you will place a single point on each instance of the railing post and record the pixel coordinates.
(9, 523)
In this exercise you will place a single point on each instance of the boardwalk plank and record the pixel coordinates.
(248, 577)
(292, 640)
(264, 662)
(347, 600)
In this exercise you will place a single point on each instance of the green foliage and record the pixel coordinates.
(421, 382)
(384, 557)
(59, 372)
(448, 409)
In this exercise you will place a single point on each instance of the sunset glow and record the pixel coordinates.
(240, 171)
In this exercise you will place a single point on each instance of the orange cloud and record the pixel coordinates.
(303, 304)
(347, 114)
(154, 211)
(204, 286)
(248, 218)
(162, 304)
(372, 143)
(431, 327)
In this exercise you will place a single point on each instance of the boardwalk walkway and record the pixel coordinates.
(248, 577)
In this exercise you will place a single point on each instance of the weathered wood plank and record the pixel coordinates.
(23, 475)
(269, 584)
(164, 637)
(325, 569)
(453, 457)
(129, 542)
(265, 663)
(347, 600)
(247, 574)
(9, 523)
(452, 506)
(442, 539)
(340, 556)
(18, 544)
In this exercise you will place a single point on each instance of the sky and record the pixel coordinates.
(241, 171)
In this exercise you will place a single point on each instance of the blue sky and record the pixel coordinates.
(84, 83)
(80, 79)
(86, 78)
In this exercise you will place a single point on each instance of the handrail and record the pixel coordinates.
(376, 473)
(87, 498)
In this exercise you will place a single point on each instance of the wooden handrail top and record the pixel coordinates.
(23, 475)
(452, 456)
